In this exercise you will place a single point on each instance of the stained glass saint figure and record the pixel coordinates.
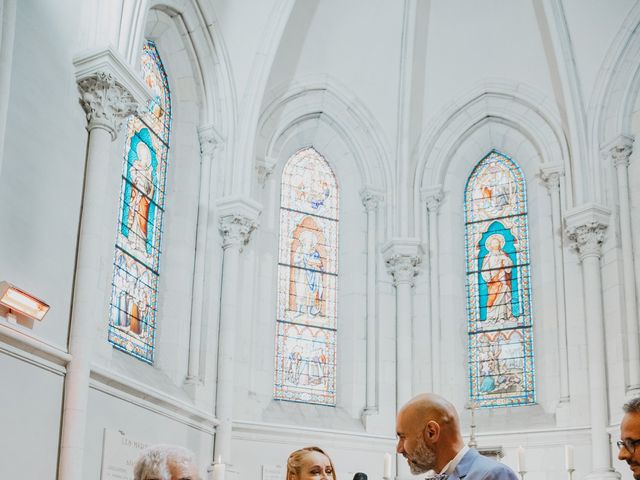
(307, 276)
(137, 252)
(498, 285)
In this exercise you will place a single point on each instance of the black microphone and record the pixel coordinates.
(360, 476)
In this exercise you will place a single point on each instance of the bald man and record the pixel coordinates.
(429, 438)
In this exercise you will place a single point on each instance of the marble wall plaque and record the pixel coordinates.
(119, 453)
(272, 472)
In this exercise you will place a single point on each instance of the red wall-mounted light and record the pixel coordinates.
(22, 302)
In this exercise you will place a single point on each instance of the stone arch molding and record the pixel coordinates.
(617, 85)
(208, 61)
(293, 108)
(516, 105)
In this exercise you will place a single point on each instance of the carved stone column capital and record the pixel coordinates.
(403, 268)
(106, 102)
(433, 197)
(587, 239)
(238, 217)
(586, 228)
(209, 140)
(236, 230)
(370, 199)
(620, 150)
(550, 177)
(265, 165)
(263, 171)
(402, 257)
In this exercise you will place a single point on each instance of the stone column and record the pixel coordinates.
(550, 177)
(433, 199)
(620, 153)
(7, 36)
(209, 140)
(107, 104)
(402, 258)
(238, 219)
(371, 201)
(586, 228)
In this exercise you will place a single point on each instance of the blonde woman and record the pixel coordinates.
(310, 463)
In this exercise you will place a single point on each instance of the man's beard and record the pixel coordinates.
(423, 459)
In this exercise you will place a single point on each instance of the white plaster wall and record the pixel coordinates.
(30, 418)
(483, 41)
(43, 162)
(592, 27)
(245, 27)
(108, 411)
(345, 41)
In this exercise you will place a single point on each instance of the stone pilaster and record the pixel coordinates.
(210, 142)
(586, 230)
(619, 153)
(371, 201)
(238, 218)
(550, 177)
(432, 198)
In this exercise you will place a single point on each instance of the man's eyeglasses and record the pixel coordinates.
(629, 444)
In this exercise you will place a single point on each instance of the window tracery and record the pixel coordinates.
(134, 297)
(501, 367)
(305, 369)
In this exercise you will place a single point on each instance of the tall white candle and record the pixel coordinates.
(387, 466)
(568, 457)
(219, 469)
(522, 465)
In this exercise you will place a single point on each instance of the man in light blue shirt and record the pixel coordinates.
(429, 438)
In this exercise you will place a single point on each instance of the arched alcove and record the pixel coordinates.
(492, 117)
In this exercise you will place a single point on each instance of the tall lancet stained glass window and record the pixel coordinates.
(498, 284)
(305, 369)
(134, 298)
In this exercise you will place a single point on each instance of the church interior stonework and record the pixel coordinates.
(244, 227)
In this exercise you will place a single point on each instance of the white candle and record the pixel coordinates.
(218, 469)
(568, 457)
(387, 466)
(522, 466)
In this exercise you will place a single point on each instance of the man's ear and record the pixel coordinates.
(431, 431)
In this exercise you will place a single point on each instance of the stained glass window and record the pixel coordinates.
(498, 284)
(132, 320)
(305, 369)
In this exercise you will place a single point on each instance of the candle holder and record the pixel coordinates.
(472, 406)
(522, 473)
(216, 470)
(570, 472)
(386, 470)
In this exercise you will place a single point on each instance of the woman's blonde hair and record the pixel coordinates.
(294, 462)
